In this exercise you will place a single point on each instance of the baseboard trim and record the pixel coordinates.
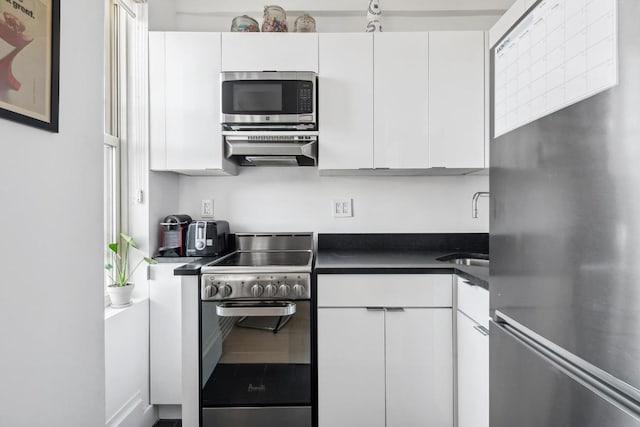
(134, 413)
(149, 416)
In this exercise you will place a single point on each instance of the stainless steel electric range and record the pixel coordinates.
(255, 333)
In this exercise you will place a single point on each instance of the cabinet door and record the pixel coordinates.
(157, 103)
(351, 366)
(165, 337)
(473, 301)
(401, 96)
(269, 52)
(473, 374)
(345, 101)
(419, 375)
(457, 99)
(193, 130)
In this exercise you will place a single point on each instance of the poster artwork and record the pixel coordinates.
(26, 58)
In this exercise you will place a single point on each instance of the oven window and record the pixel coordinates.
(255, 97)
(256, 360)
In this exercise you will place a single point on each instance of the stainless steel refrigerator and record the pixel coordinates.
(565, 258)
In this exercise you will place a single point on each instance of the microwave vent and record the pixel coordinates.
(272, 149)
(272, 138)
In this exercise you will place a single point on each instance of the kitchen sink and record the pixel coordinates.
(476, 260)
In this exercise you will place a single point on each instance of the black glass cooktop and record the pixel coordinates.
(265, 259)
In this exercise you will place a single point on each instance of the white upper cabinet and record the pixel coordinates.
(345, 101)
(401, 97)
(404, 102)
(457, 99)
(270, 52)
(157, 103)
(184, 93)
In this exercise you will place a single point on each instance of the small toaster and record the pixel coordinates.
(207, 238)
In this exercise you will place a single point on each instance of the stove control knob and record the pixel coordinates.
(284, 290)
(298, 290)
(271, 290)
(256, 290)
(210, 291)
(225, 291)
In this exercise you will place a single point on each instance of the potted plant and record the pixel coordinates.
(120, 289)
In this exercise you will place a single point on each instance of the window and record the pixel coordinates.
(120, 20)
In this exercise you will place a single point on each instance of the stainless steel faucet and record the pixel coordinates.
(474, 204)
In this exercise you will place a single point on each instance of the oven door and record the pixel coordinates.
(256, 363)
(273, 99)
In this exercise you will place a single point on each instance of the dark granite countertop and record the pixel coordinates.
(396, 262)
(193, 268)
(175, 259)
(384, 254)
(400, 254)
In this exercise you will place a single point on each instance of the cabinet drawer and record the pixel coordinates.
(473, 301)
(385, 290)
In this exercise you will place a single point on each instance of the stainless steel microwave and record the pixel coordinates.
(271, 100)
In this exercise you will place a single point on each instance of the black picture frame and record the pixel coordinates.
(30, 62)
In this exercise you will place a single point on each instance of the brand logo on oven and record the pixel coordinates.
(253, 388)
(267, 118)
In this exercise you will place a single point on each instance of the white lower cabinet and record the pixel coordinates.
(473, 355)
(388, 362)
(473, 374)
(165, 335)
(351, 367)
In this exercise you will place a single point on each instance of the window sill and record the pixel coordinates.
(110, 312)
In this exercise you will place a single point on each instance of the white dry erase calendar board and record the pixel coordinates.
(561, 52)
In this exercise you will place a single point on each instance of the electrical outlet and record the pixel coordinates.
(342, 208)
(206, 209)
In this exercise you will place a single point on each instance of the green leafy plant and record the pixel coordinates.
(120, 272)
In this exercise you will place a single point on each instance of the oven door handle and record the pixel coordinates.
(249, 309)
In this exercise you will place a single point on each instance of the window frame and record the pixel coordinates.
(119, 18)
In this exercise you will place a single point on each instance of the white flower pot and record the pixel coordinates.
(120, 296)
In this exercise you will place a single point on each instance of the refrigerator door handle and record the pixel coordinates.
(624, 397)
(484, 331)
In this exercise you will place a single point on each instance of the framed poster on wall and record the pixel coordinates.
(29, 62)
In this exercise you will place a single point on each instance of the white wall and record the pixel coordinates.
(298, 199)
(51, 295)
(331, 15)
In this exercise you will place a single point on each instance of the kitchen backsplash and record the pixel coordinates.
(297, 199)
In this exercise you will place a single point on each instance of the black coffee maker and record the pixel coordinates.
(173, 235)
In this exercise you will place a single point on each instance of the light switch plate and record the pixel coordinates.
(342, 208)
(206, 209)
